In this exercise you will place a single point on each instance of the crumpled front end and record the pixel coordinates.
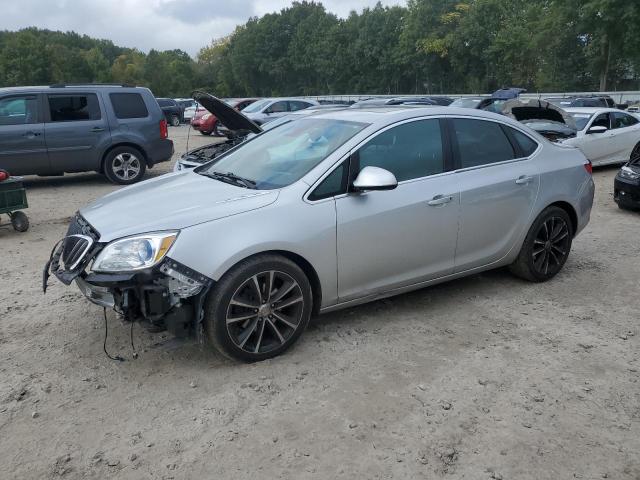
(168, 295)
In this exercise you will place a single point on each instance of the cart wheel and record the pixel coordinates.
(19, 221)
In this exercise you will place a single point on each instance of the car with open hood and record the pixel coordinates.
(240, 129)
(206, 121)
(329, 211)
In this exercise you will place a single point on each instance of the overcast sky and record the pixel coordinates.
(147, 24)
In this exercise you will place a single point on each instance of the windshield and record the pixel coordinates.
(256, 106)
(281, 156)
(581, 119)
(465, 103)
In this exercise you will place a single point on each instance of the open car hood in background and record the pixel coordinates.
(227, 115)
(534, 109)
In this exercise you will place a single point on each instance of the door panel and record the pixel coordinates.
(76, 132)
(598, 147)
(22, 142)
(496, 203)
(394, 238)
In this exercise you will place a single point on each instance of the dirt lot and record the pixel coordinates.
(485, 377)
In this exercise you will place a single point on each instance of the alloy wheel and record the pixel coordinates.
(126, 166)
(265, 311)
(551, 245)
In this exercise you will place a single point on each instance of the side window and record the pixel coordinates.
(410, 150)
(73, 108)
(601, 120)
(481, 142)
(526, 143)
(333, 185)
(278, 107)
(19, 110)
(296, 105)
(128, 105)
(623, 120)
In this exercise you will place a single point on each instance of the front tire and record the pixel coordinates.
(203, 132)
(175, 121)
(124, 165)
(546, 246)
(259, 308)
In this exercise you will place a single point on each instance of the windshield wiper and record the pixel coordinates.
(232, 178)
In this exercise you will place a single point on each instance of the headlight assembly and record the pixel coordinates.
(134, 253)
(627, 172)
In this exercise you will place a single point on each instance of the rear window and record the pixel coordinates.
(128, 105)
(73, 108)
(481, 142)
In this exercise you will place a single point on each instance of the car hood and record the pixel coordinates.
(227, 115)
(170, 202)
(534, 109)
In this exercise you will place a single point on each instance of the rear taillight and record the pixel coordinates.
(588, 167)
(164, 130)
(4, 175)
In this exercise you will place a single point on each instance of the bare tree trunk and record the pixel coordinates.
(606, 50)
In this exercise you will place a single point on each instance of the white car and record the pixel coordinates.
(605, 135)
(190, 107)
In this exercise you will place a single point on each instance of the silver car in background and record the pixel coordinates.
(329, 211)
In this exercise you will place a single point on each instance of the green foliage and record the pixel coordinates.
(429, 46)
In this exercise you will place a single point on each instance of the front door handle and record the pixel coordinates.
(440, 200)
(97, 129)
(32, 134)
(524, 180)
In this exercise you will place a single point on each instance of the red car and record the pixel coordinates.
(207, 123)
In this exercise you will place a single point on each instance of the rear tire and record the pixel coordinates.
(205, 133)
(546, 247)
(259, 308)
(124, 165)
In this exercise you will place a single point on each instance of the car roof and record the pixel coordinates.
(67, 88)
(390, 114)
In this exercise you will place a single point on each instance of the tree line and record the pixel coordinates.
(429, 46)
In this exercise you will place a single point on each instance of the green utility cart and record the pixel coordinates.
(13, 198)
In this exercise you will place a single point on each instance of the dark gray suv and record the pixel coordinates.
(116, 130)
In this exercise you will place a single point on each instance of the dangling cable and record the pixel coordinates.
(106, 333)
(133, 347)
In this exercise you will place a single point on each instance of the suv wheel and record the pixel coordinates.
(546, 246)
(124, 165)
(175, 121)
(259, 308)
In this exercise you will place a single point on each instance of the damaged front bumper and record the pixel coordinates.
(169, 294)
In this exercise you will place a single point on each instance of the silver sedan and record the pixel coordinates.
(329, 211)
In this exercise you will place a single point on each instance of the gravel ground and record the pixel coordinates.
(486, 377)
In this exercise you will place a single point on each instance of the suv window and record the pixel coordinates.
(332, 185)
(277, 107)
(165, 102)
(295, 105)
(526, 143)
(19, 110)
(410, 150)
(481, 142)
(623, 120)
(128, 105)
(73, 108)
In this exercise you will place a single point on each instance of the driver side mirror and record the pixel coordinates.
(374, 178)
(597, 129)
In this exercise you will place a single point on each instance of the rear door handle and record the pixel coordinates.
(97, 129)
(32, 134)
(440, 200)
(524, 180)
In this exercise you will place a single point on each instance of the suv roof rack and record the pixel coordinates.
(82, 84)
